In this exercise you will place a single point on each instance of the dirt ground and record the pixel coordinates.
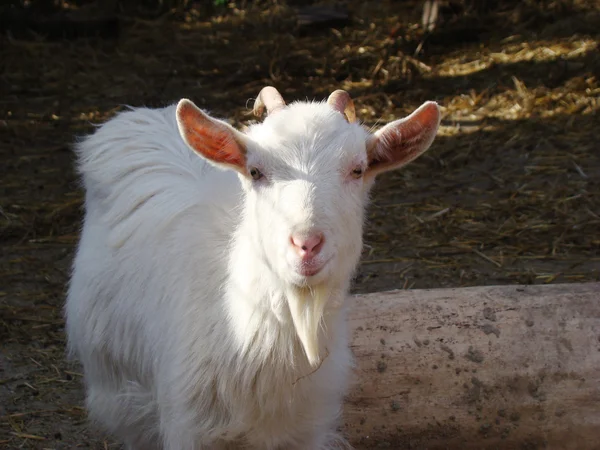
(509, 192)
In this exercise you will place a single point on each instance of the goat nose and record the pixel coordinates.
(307, 245)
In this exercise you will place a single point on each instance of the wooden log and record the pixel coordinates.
(510, 367)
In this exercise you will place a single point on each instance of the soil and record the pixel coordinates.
(508, 194)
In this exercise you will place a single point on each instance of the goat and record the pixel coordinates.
(206, 302)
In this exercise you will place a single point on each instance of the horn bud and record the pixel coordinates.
(268, 98)
(341, 101)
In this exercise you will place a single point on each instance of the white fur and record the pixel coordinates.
(192, 326)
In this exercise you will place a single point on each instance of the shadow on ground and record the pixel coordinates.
(508, 193)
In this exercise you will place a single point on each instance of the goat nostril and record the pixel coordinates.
(307, 244)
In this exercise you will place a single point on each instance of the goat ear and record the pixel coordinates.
(213, 139)
(402, 141)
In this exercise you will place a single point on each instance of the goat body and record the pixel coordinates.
(206, 303)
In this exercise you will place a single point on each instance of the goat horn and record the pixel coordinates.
(341, 101)
(269, 98)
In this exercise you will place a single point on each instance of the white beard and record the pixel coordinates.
(307, 305)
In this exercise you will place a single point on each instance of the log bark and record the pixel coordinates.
(510, 367)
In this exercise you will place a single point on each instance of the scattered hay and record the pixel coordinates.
(508, 193)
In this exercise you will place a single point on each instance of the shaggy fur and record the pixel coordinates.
(185, 306)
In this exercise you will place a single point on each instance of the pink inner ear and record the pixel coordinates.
(209, 138)
(402, 141)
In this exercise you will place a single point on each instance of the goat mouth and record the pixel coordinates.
(310, 270)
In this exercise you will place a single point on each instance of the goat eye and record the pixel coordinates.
(255, 174)
(357, 173)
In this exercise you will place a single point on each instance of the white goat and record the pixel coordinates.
(207, 305)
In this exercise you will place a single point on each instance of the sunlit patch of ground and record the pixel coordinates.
(508, 193)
